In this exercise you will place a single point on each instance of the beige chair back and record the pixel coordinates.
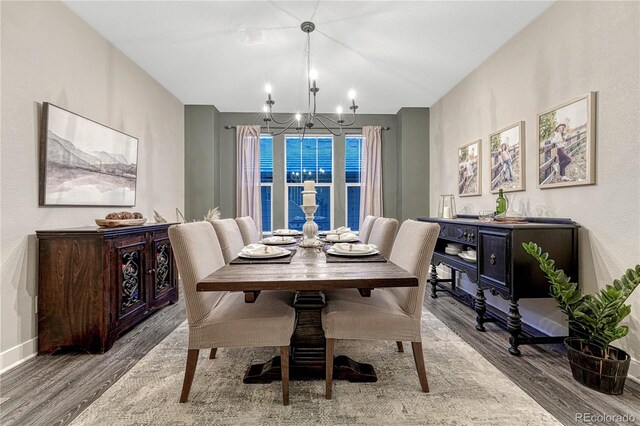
(412, 251)
(250, 234)
(365, 228)
(230, 238)
(383, 234)
(197, 252)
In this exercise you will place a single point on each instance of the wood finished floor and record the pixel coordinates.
(53, 390)
(542, 371)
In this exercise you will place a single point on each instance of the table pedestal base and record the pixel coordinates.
(344, 368)
(307, 354)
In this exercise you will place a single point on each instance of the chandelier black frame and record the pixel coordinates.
(307, 121)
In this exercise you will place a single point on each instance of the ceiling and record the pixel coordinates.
(393, 54)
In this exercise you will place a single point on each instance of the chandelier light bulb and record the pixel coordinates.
(339, 110)
(352, 94)
(298, 116)
(265, 108)
(267, 88)
(313, 75)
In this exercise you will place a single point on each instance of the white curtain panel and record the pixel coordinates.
(371, 179)
(248, 180)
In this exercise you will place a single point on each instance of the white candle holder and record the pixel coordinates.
(310, 228)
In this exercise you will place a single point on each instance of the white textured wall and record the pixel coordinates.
(571, 49)
(50, 54)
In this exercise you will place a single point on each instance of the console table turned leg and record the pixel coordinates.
(481, 308)
(433, 280)
(514, 326)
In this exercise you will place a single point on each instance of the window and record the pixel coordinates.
(352, 168)
(266, 181)
(308, 159)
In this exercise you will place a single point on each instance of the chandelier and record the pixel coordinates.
(307, 121)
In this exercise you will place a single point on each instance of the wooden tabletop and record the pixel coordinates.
(307, 271)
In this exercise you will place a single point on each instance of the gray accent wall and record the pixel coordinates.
(200, 155)
(206, 138)
(412, 177)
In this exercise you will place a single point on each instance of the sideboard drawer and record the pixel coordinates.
(494, 257)
(460, 233)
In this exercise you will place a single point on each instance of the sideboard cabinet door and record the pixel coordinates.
(494, 260)
(130, 276)
(164, 278)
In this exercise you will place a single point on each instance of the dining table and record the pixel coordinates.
(310, 273)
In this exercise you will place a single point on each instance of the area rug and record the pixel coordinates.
(465, 389)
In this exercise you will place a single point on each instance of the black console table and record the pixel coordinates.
(503, 267)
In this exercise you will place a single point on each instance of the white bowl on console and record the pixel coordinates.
(471, 254)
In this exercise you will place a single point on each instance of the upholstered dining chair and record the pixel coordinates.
(383, 234)
(365, 228)
(230, 238)
(389, 314)
(248, 230)
(223, 319)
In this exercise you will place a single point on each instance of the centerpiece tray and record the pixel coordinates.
(114, 223)
(510, 219)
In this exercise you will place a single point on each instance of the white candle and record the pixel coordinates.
(309, 199)
(446, 212)
(309, 185)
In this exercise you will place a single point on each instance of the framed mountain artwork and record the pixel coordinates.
(84, 163)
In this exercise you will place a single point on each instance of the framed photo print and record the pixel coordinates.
(83, 163)
(469, 169)
(507, 158)
(566, 144)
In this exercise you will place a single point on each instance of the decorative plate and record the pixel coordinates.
(292, 232)
(331, 240)
(276, 241)
(338, 253)
(284, 252)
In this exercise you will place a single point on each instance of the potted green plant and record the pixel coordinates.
(594, 323)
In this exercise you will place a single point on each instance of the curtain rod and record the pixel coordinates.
(313, 130)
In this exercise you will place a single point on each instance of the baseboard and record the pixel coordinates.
(18, 354)
(634, 370)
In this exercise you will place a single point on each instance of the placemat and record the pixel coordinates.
(332, 258)
(281, 260)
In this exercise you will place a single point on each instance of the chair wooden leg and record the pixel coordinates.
(329, 368)
(189, 372)
(419, 359)
(212, 354)
(400, 347)
(284, 368)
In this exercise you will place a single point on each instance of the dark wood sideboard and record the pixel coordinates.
(96, 283)
(503, 267)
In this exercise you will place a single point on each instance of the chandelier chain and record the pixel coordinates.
(309, 72)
